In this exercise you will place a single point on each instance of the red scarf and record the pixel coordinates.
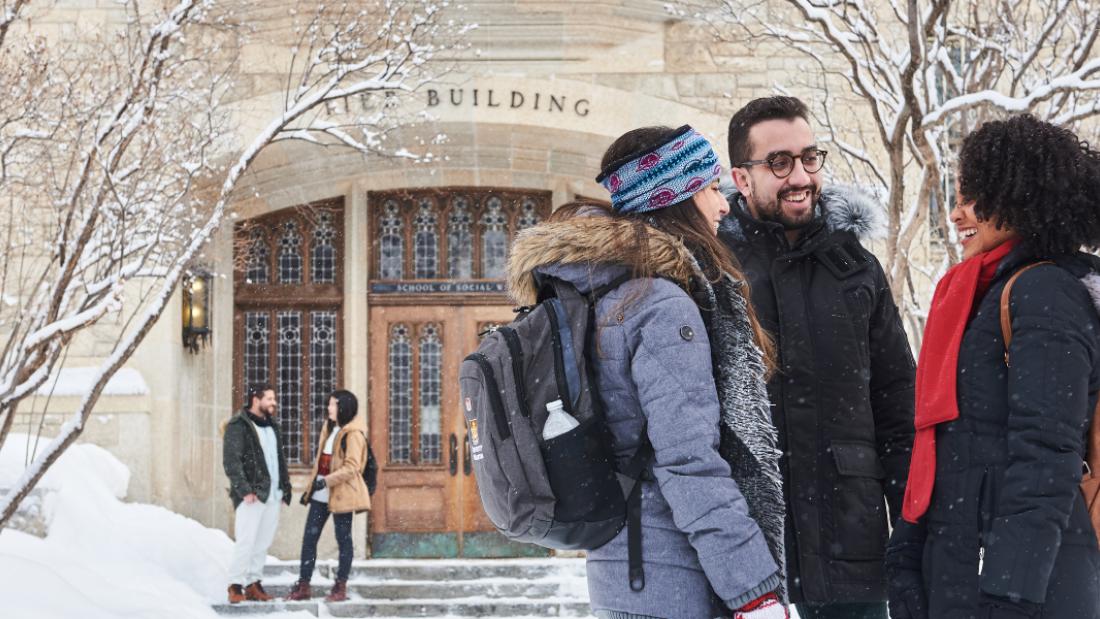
(937, 369)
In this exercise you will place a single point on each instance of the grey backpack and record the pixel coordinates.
(567, 492)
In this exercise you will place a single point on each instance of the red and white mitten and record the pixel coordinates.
(764, 607)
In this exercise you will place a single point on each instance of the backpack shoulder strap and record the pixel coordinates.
(1006, 297)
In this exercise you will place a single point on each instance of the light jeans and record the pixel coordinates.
(254, 531)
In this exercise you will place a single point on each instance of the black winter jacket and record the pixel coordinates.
(244, 464)
(1007, 470)
(842, 395)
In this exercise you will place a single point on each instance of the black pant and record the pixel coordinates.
(876, 610)
(315, 523)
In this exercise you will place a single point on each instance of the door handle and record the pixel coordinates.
(466, 466)
(454, 454)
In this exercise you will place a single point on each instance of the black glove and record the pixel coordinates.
(318, 484)
(996, 607)
(905, 583)
(302, 499)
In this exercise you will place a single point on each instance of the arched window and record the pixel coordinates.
(290, 253)
(288, 331)
(426, 245)
(451, 234)
(392, 259)
(494, 239)
(528, 214)
(258, 257)
(460, 242)
(324, 252)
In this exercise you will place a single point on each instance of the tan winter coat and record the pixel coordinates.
(347, 492)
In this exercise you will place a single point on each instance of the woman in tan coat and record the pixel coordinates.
(338, 489)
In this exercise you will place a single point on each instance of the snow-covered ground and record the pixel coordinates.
(103, 557)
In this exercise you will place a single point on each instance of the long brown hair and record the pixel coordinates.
(684, 222)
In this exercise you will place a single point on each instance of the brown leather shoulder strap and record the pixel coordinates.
(1006, 296)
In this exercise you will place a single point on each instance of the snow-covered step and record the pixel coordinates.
(441, 569)
(404, 588)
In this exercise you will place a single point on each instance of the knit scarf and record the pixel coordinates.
(937, 369)
(748, 439)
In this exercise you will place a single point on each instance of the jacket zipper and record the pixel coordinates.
(503, 429)
(516, 351)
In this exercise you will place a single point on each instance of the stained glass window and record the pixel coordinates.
(257, 333)
(256, 269)
(400, 388)
(426, 243)
(288, 328)
(460, 243)
(528, 214)
(290, 254)
(323, 258)
(322, 368)
(430, 380)
(494, 239)
(393, 242)
(288, 389)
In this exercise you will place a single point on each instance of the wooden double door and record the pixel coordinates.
(427, 502)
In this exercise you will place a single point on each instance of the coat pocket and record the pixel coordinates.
(858, 503)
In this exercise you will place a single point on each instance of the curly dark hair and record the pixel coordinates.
(1036, 179)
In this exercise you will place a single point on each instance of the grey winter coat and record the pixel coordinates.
(703, 555)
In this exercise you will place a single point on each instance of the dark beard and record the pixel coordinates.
(774, 213)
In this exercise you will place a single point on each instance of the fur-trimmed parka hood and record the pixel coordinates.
(582, 244)
(844, 207)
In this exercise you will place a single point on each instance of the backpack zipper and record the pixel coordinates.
(516, 351)
(503, 429)
(559, 359)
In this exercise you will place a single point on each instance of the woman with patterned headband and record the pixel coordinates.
(680, 361)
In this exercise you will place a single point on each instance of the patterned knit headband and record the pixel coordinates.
(673, 172)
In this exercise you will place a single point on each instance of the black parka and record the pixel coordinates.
(244, 464)
(842, 394)
(1007, 470)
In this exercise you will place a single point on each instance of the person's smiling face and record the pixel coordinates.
(976, 235)
(789, 200)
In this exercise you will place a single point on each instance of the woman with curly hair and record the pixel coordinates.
(994, 524)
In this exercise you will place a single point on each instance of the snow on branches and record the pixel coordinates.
(922, 73)
(119, 158)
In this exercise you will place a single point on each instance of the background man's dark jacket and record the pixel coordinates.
(842, 394)
(244, 464)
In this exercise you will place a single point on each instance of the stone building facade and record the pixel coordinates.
(377, 275)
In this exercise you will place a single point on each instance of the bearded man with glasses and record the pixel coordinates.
(842, 394)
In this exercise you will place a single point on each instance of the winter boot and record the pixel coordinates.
(236, 594)
(301, 591)
(339, 592)
(255, 593)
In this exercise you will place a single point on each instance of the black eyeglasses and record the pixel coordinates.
(782, 164)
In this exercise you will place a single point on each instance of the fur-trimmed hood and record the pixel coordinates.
(587, 242)
(844, 207)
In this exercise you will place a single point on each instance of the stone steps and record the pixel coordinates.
(434, 588)
(473, 607)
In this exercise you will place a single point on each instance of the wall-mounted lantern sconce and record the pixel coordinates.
(197, 285)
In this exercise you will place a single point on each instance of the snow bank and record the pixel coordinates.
(103, 557)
